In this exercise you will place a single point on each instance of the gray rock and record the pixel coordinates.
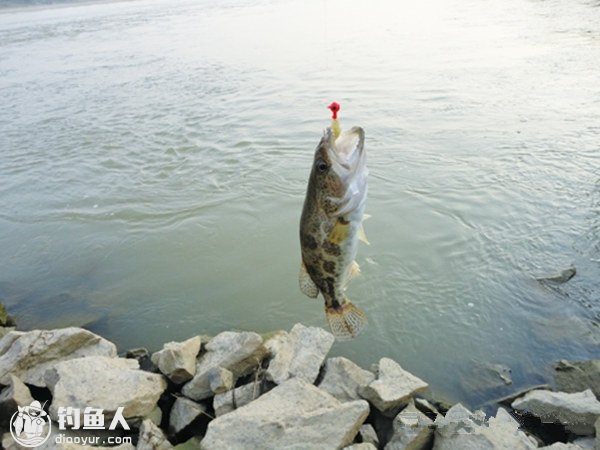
(461, 429)
(597, 427)
(576, 411)
(183, 413)
(155, 416)
(562, 446)
(586, 443)
(280, 346)
(369, 435)
(152, 438)
(559, 278)
(412, 430)
(577, 376)
(361, 446)
(393, 387)
(142, 355)
(485, 376)
(13, 395)
(105, 383)
(507, 400)
(228, 350)
(426, 407)
(235, 398)
(298, 354)
(459, 414)
(294, 414)
(137, 353)
(191, 444)
(177, 360)
(343, 378)
(28, 355)
(220, 380)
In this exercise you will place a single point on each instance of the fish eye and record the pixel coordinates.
(321, 166)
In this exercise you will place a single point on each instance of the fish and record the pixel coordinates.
(331, 226)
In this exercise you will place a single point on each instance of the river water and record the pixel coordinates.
(154, 157)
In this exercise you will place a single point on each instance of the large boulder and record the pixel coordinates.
(343, 379)
(13, 395)
(393, 387)
(152, 438)
(106, 383)
(220, 380)
(577, 376)
(177, 360)
(577, 411)
(298, 354)
(236, 352)
(29, 355)
(236, 398)
(412, 430)
(183, 413)
(294, 414)
(462, 429)
(369, 435)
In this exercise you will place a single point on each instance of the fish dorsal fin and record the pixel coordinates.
(307, 285)
(353, 272)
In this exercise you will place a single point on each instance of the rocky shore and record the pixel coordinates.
(241, 390)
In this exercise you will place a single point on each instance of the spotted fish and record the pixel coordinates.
(331, 225)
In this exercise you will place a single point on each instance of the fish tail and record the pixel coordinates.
(346, 321)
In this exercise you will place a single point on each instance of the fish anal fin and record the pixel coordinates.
(346, 321)
(362, 235)
(354, 270)
(307, 285)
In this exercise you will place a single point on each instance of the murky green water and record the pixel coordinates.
(154, 157)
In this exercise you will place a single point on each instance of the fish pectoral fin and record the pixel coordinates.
(307, 285)
(339, 233)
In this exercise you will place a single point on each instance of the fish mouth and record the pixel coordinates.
(348, 161)
(347, 149)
